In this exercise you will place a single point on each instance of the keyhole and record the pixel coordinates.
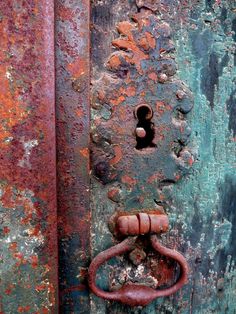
(145, 127)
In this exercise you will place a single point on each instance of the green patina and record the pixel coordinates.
(206, 198)
(202, 205)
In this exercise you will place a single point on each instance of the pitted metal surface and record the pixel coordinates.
(140, 130)
(200, 206)
(28, 213)
(141, 72)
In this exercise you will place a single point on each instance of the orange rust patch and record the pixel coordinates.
(79, 112)
(34, 231)
(114, 62)
(101, 95)
(138, 55)
(13, 246)
(112, 193)
(44, 310)
(118, 155)
(162, 50)
(6, 230)
(128, 79)
(34, 261)
(23, 309)
(143, 43)
(25, 221)
(162, 107)
(128, 180)
(78, 67)
(10, 200)
(12, 111)
(161, 196)
(129, 43)
(19, 256)
(151, 40)
(153, 76)
(84, 152)
(47, 268)
(125, 28)
(167, 271)
(147, 42)
(122, 114)
(64, 13)
(118, 100)
(4, 39)
(177, 177)
(41, 287)
(8, 291)
(119, 130)
(129, 91)
(160, 133)
(155, 177)
(142, 19)
(190, 161)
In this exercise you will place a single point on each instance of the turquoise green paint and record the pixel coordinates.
(215, 159)
(215, 151)
(198, 221)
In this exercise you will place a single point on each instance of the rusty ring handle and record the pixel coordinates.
(134, 294)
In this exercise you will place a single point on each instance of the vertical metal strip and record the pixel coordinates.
(28, 214)
(72, 111)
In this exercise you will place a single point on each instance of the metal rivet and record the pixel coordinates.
(180, 94)
(162, 78)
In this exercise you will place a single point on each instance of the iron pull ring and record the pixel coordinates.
(134, 294)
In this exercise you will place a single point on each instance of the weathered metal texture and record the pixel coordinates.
(28, 232)
(201, 207)
(130, 293)
(136, 294)
(140, 89)
(141, 224)
(72, 119)
(143, 75)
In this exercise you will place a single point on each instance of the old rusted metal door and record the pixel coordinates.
(130, 169)
(28, 213)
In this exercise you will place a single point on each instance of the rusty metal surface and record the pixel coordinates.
(136, 294)
(141, 72)
(200, 206)
(72, 121)
(138, 89)
(142, 223)
(28, 217)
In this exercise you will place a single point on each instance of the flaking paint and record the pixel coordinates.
(201, 206)
(28, 217)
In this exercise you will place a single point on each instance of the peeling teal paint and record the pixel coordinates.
(202, 205)
(207, 229)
